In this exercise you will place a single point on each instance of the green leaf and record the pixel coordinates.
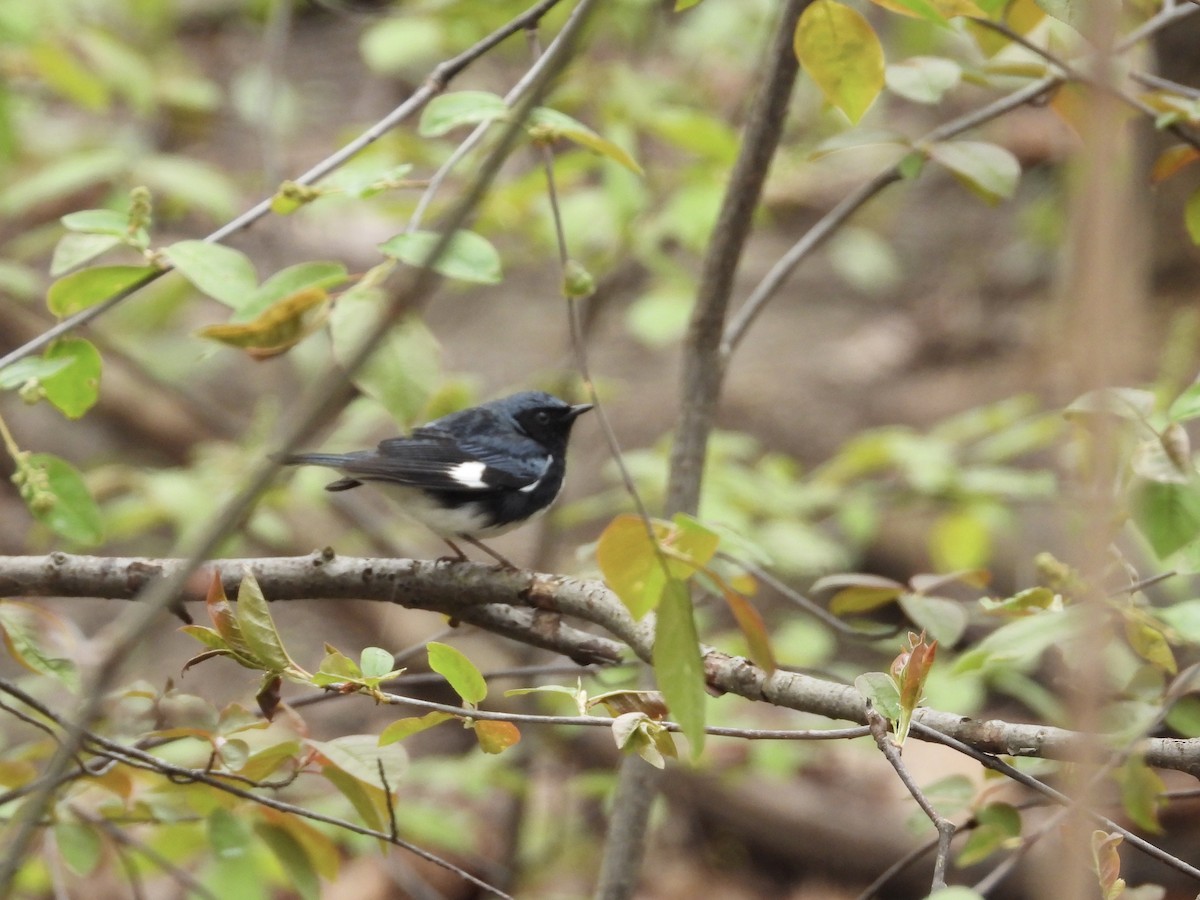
(840, 52)
(945, 620)
(62, 178)
(1166, 514)
(75, 389)
(42, 641)
(402, 728)
(1185, 407)
(61, 71)
(32, 367)
(1023, 640)
(960, 539)
(1142, 792)
(80, 846)
(97, 221)
(1069, 11)
(547, 125)
(449, 111)
(987, 170)
(84, 289)
(230, 841)
(1125, 403)
(75, 249)
(999, 829)
(220, 272)
(1183, 617)
(1191, 216)
(401, 44)
(360, 756)
(858, 592)
(292, 856)
(74, 514)
(464, 677)
(923, 79)
(189, 183)
(881, 689)
(258, 628)
(469, 256)
(1184, 716)
(375, 662)
(678, 666)
(630, 566)
(406, 367)
(289, 282)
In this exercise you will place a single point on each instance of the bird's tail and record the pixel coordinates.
(330, 460)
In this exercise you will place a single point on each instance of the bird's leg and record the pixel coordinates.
(504, 563)
(459, 556)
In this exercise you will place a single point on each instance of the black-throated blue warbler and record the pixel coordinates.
(472, 474)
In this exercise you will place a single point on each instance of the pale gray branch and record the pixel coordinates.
(462, 590)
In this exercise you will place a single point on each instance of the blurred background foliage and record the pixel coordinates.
(897, 410)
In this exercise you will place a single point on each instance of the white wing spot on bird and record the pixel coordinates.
(469, 474)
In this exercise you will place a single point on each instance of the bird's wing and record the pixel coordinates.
(434, 459)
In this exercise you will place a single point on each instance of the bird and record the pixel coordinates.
(476, 473)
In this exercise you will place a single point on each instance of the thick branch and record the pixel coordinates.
(703, 370)
(529, 604)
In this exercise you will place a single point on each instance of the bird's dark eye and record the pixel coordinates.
(541, 417)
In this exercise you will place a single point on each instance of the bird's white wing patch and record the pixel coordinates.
(468, 474)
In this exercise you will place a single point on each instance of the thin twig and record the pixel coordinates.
(179, 774)
(945, 828)
(184, 878)
(476, 136)
(1167, 17)
(434, 84)
(1158, 83)
(813, 609)
(128, 629)
(749, 734)
(997, 765)
(829, 223)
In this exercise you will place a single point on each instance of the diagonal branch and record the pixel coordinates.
(434, 84)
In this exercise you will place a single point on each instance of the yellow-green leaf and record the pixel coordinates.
(42, 641)
(74, 513)
(74, 389)
(678, 666)
(547, 125)
(278, 328)
(450, 111)
(840, 51)
(257, 626)
(453, 665)
(402, 728)
(86, 288)
(468, 256)
(987, 170)
(1191, 216)
(220, 272)
(630, 565)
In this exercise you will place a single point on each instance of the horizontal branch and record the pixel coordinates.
(528, 607)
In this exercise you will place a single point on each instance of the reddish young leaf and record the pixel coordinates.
(751, 624)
